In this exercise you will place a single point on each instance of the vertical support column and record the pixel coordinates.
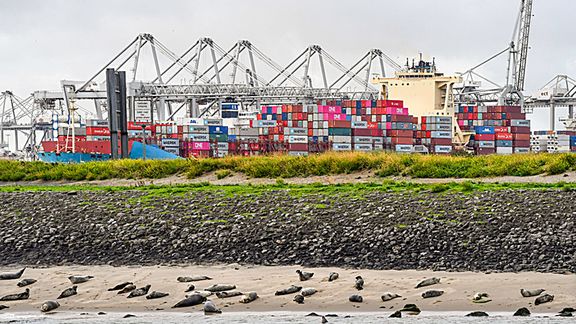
(112, 95)
(552, 116)
(570, 111)
(123, 113)
(252, 65)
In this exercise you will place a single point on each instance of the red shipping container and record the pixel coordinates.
(393, 103)
(339, 124)
(361, 132)
(97, 131)
(401, 133)
(521, 137)
(501, 129)
(376, 133)
(441, 141)
(372, 125)
(402, 140)
(520, 130)
(298, 147)
(521, 143)
(503, 136)
(485, 150)
(485, 137)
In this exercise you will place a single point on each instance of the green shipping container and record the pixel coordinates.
(340, 131)
(219, 137)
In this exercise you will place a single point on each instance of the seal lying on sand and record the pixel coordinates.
(26, 282)
(49, 306)
(3, 307)
(79, 279)
(193, 278)
(304, 275)
(531, 292)
(522, 312)
(546, 298)
(290, 290)
(68, 292)
(428, 282)
(120, 286)
(12, 276)
(359, 284)
(333, 276)
(356, 299)
(156, 295)
(127, 289)
(20, 296)
(432, 293)
(219, 287)
(210, 308)
(299, 299)
(308, 292)
(389, 296)
(190, 301)
(228, 294)
(139, 292)
(411, 309)
(477, 314)
(252, 296)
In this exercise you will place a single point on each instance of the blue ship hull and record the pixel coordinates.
(137, 152)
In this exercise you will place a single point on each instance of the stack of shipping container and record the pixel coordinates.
(553, 141)
(435, 132)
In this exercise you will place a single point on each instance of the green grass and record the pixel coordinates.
(356, 190)
(282, 167)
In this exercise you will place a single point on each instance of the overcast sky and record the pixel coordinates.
(42, 42)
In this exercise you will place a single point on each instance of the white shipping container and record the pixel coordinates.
(341, 139)
(341, 146)
(359, 124)
(441, 134)
(199, 137)
(362, 147)
(170, 142)
(293, 139)
(362, 140)
(297, 153)
(519, 123)
(504, 150)
(521, 150)
(403, 148)
(198, 129)
(442, 149)
(173, 150)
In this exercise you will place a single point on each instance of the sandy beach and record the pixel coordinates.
(459, 287)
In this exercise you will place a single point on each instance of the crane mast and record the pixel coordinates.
(523, 43)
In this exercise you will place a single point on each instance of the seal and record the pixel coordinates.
(139, 292)
(193, 278)
(228, 294)
(127, 289)
(12, 276)
(355, 298)
(219, 287)
(156, 295)
(48, 306)
(387, 296)
(3, 307)
(428, 282)
(299, 299)
(308, 292)
(432, 293)
(396, 314)
(566, 312)
(531, 292)
(359, 283)
(190, 288)
(210, 308)
(79, 279)
(21, 296)
(333, 276)
(546, 298)
(246, 299)
(522, 312)
(68, 292)
(324, 320)
(477, 314)
(120, 286)
(290, 290)
(26, 282)
(304, 275)
(481, 298)
(201, 293)
(411, 309)
(190, 301)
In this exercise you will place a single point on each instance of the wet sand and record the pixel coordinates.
(459, 287)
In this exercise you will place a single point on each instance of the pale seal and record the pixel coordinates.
(120, 286)
(290, 290)
(156, 295)
(219, 287)
(12, 276)
(389, 296)
(139, 292)
(432, 293)
(304, 275)
(190, 301)
(531, 292)
(210, 308)
(428, 282)
(333, 276)
(79, 279)
(252, 296)
(546, 298)
(20, 296)
(26, 282)
(308, 292)
(49, 306)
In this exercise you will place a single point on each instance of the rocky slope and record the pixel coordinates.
(481, 231)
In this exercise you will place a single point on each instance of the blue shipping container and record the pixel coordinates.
(484, 130)
(501, 143)
(218, 129)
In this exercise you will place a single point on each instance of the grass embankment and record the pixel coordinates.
(383, 164)
(354, 189)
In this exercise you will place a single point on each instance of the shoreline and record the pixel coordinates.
(332, 297)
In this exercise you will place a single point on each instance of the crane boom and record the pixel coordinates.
(523, 42)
